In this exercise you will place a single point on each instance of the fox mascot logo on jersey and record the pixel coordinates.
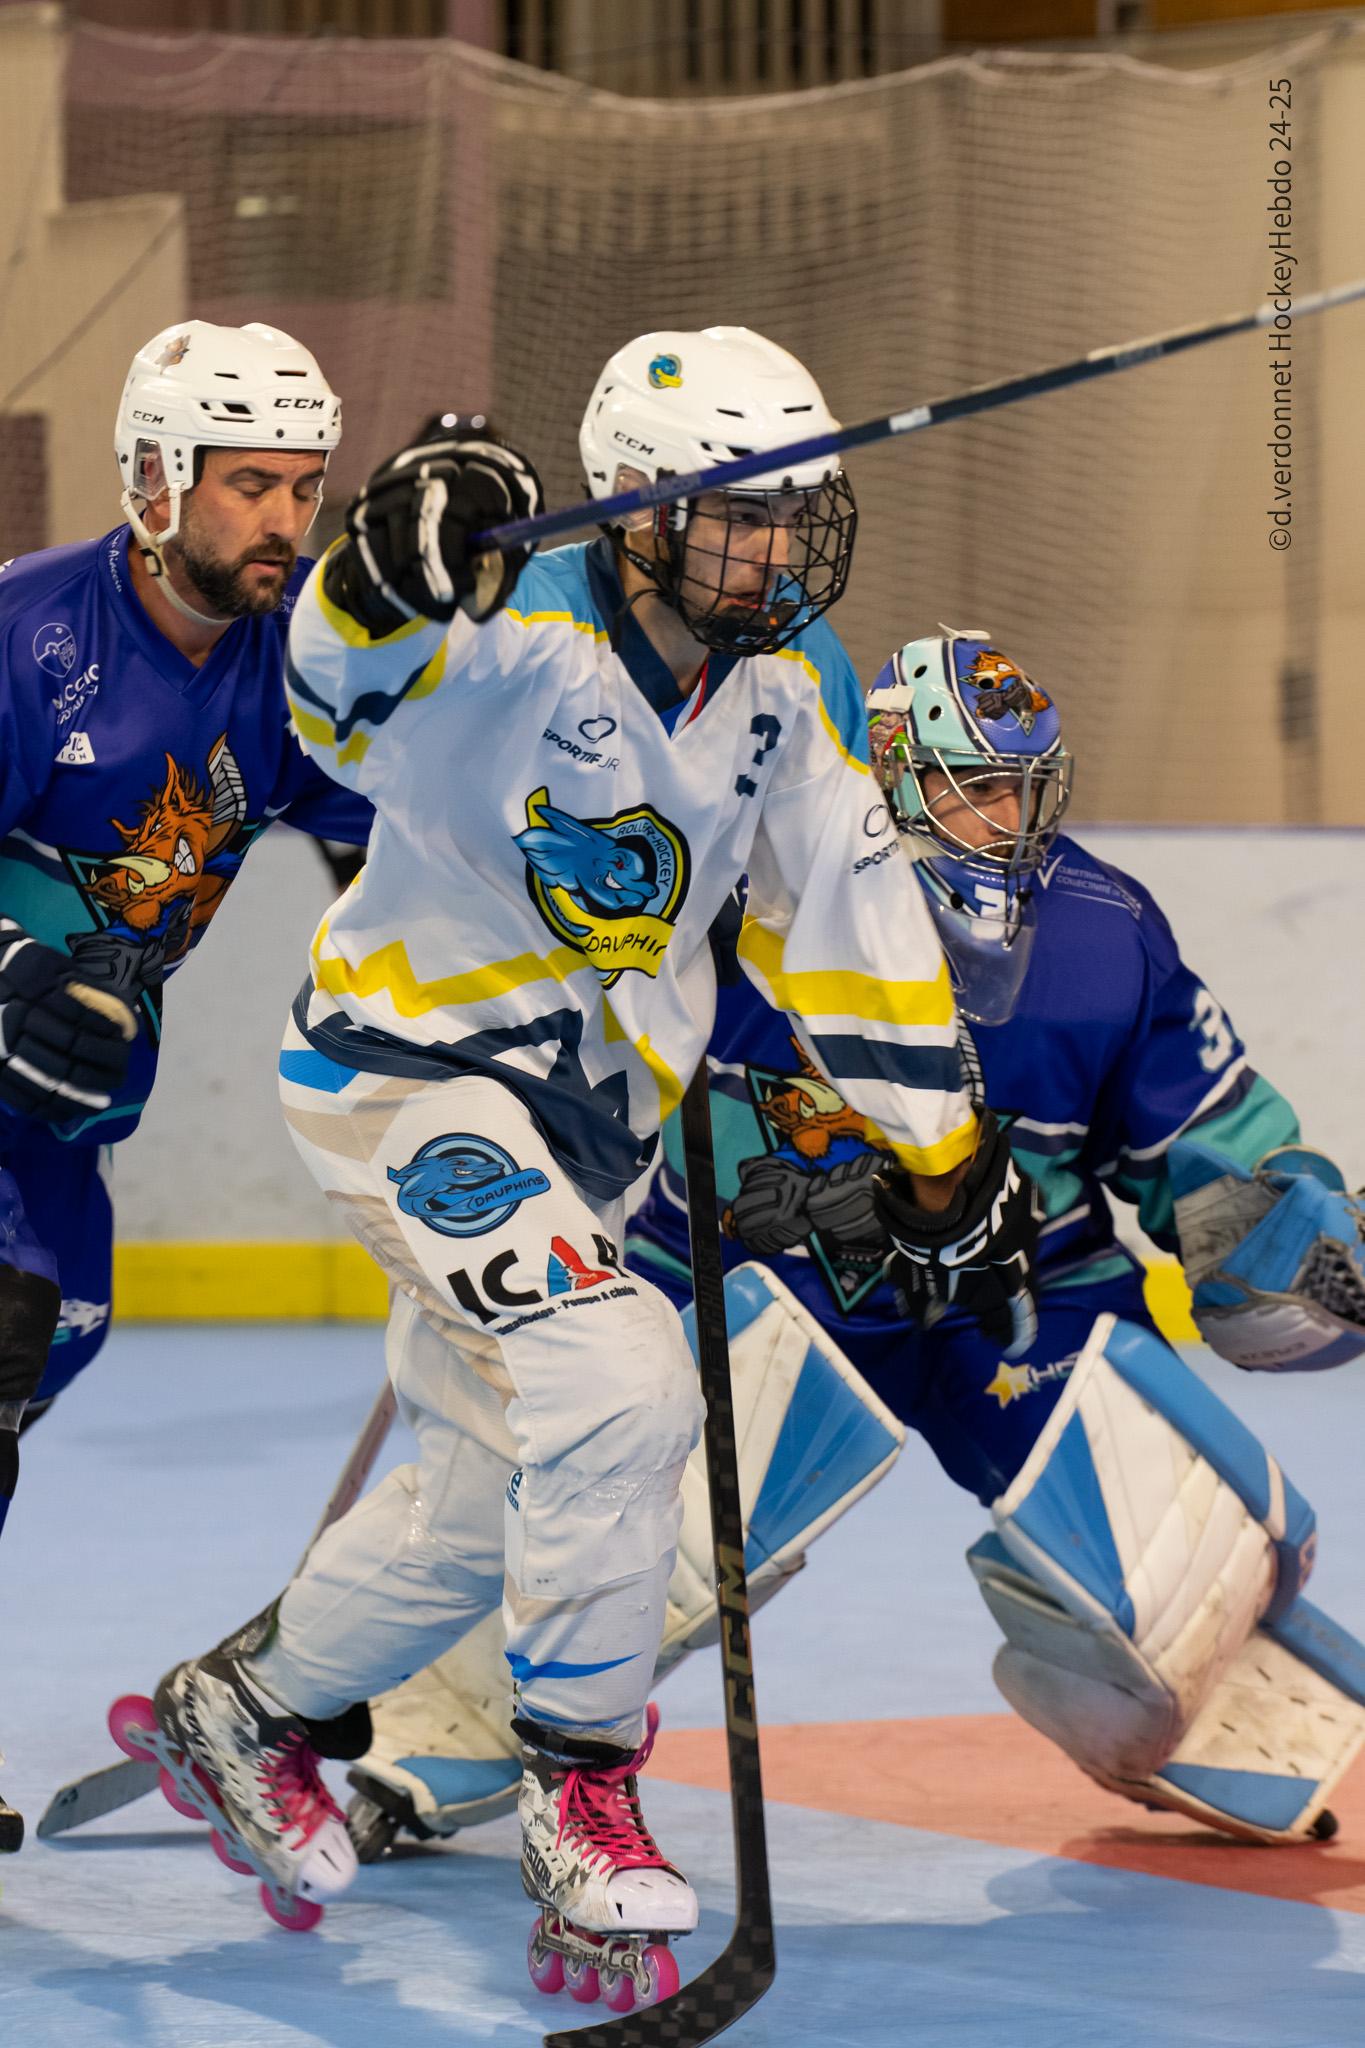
(1003, 689)
(612, 887)
(155, 894)
(812, 1187)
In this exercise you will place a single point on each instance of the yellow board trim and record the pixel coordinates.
(828, 992)
(247, 1283)
(340, 1283)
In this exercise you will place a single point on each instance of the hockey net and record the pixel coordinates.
(446, 228)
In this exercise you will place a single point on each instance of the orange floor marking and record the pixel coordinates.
(991, 1778)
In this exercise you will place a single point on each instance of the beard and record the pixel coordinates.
(223, 585)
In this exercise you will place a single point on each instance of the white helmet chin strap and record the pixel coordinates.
(151, 545)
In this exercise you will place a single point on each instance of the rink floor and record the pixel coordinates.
(939, 1874)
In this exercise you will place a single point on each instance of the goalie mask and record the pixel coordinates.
(197, 386)
(746, 570)
(969, 753)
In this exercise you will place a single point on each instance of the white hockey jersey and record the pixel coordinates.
(555, 836)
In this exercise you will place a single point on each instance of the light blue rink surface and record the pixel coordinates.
(167, 1497)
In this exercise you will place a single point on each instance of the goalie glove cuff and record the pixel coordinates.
(977, 1255)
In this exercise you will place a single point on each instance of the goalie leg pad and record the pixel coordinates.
(1145, 1570)
(812, 1438)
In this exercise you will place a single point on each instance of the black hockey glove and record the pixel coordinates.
(977, 1254)
(407, 552)
(63, 1046)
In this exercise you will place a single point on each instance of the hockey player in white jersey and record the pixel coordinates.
(572, 761)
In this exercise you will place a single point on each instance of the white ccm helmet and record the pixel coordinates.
(196, 385)
(673, 402)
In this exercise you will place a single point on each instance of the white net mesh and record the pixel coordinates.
(446, 228)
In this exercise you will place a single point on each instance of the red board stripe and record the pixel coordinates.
(991, 1778)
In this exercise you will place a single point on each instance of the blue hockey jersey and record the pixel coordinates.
(1114, 1048)
(132, 783)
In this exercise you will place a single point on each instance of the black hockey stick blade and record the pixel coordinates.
(740, 1975)
(94, 1795)
(105, 1791)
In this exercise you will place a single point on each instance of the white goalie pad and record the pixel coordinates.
(811, 1437)
(1145, 1571)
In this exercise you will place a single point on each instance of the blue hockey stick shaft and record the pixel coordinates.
(1100, 362)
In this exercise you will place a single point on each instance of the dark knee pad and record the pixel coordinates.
(29, 1308)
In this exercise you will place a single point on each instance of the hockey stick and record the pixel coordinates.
(1100, 362)
(743, 1971)
(100, 1792)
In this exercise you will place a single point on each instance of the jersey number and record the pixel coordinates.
(1211, 1023)
(768, 729)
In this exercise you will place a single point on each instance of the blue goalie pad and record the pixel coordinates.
(829, 1436)
(1275, 1259)
(1145, 1569)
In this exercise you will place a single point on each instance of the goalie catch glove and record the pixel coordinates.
(977, 1254)
(63, 1046)
(407, 552)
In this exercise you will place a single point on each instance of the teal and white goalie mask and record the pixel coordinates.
(968, 751)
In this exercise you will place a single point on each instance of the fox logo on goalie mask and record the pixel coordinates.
(612, 887)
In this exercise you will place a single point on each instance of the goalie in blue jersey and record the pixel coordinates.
(145, 744)
(1165, 1644)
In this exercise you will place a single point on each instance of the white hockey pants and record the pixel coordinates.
(553, 1397)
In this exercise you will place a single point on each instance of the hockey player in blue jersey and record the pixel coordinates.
(145, 743)
(1160, 1640)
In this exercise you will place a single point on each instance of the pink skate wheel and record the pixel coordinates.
(619, 1990)
(173, 1796)
(300, 1916)
(664, 1975)
(580, 1980)
(545, 1964)
(129, 1717)
(225, 1856)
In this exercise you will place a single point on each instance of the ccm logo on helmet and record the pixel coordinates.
(299, 404)
(151, 419)
(629, 441)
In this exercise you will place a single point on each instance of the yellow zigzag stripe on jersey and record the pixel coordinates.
(833, 992)
(804, 660)
(313, 726)
(388, 971)
(558, 618)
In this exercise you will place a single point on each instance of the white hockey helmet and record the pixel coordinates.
(673, 402)
(196, 385)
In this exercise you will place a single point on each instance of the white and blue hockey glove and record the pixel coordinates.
(63, 1046)
(977, 1254)
(1275, 1258)
(407, 554)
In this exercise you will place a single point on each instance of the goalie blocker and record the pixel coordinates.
(1166, 1646)
(812, 1439)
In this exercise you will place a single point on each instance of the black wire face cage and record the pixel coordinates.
(1044, 786)
(749, 576)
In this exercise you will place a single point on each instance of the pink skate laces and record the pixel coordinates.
(596, 1810)
(294, 1791)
